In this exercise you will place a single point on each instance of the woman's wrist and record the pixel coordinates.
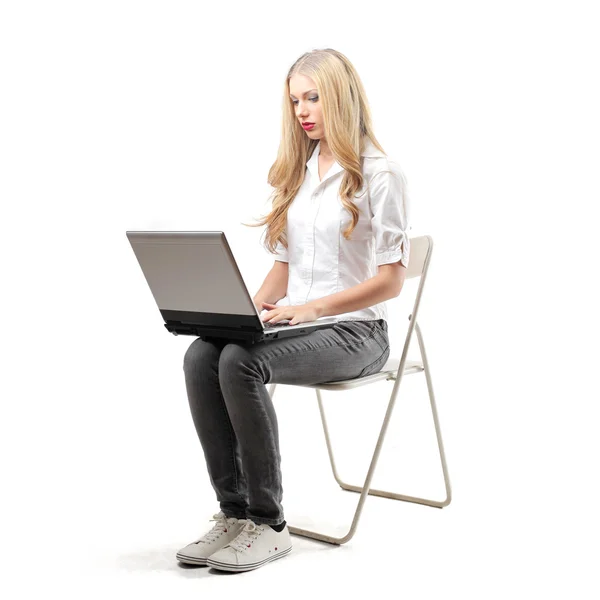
(258, 303)
(319, 307)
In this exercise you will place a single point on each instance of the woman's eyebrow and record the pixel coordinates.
(313, 90)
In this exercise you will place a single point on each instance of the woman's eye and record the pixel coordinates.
(313, 99)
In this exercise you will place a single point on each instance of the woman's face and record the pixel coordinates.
(304, 96)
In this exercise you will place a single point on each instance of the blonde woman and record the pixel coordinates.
(338, 229)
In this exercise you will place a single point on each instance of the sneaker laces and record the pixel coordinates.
(244, 539)
(222, 525)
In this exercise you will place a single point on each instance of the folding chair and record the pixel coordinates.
(420, 255)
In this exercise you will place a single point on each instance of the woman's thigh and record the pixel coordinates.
(346, 350)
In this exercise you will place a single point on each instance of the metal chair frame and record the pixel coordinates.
(393, 370)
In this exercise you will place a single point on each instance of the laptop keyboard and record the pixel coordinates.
(269, 325)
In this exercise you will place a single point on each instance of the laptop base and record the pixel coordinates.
(207, 334)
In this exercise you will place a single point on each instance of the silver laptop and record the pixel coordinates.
(199, 290)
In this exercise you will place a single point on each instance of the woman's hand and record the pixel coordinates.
(297, 314)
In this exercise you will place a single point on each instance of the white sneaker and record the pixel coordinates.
(254, 547)
(225, 530)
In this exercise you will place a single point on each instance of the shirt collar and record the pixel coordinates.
(313, 167)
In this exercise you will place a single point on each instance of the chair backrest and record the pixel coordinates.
(420, 255)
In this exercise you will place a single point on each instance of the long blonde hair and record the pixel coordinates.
(347, 120)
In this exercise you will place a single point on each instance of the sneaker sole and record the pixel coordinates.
(191, 560)
(221, 566)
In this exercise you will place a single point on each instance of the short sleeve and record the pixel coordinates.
(390, 221)
(281, 253)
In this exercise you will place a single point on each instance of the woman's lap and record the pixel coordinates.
(346, 350)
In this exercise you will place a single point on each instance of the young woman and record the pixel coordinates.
(338, 227)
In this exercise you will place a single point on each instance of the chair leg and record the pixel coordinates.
(395, 496)
(365, 490)
(438, 431)
(392, 495)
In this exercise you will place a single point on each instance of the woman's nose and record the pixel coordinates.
(301, 109)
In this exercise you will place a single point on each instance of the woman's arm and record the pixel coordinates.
(274, 287)
(385, 285)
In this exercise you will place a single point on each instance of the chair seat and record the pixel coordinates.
(389, 371)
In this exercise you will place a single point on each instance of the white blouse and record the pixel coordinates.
(321, 261)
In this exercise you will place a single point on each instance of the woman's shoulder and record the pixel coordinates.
(376, 163)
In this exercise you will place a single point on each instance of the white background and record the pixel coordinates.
(127, 115)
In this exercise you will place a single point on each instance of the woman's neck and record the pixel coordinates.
(324, 150)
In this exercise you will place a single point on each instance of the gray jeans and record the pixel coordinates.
(234, 415)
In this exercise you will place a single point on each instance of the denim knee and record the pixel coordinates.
(199, 352)
(235, 356)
